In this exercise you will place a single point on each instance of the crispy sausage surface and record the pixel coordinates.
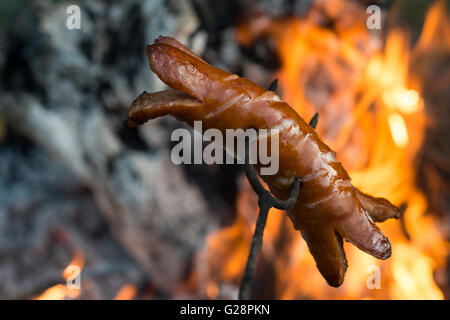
(329, 207)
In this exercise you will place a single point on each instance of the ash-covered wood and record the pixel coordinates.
(77, 178)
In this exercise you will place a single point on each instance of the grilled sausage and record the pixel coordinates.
(329, 207)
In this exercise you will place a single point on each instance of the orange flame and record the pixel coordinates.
(372, 113)
(57, 292)
(127, 292)
(71, 272)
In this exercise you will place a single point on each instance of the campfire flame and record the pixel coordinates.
(372, 113)
(63, 291)
(127, 292)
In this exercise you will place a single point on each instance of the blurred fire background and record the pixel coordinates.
(78, 189)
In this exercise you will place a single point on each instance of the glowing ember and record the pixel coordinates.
(127, 292)
(70, 289)
(57, 292)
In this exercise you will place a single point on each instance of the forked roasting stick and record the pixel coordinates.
(328, 207)
(265, 202)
